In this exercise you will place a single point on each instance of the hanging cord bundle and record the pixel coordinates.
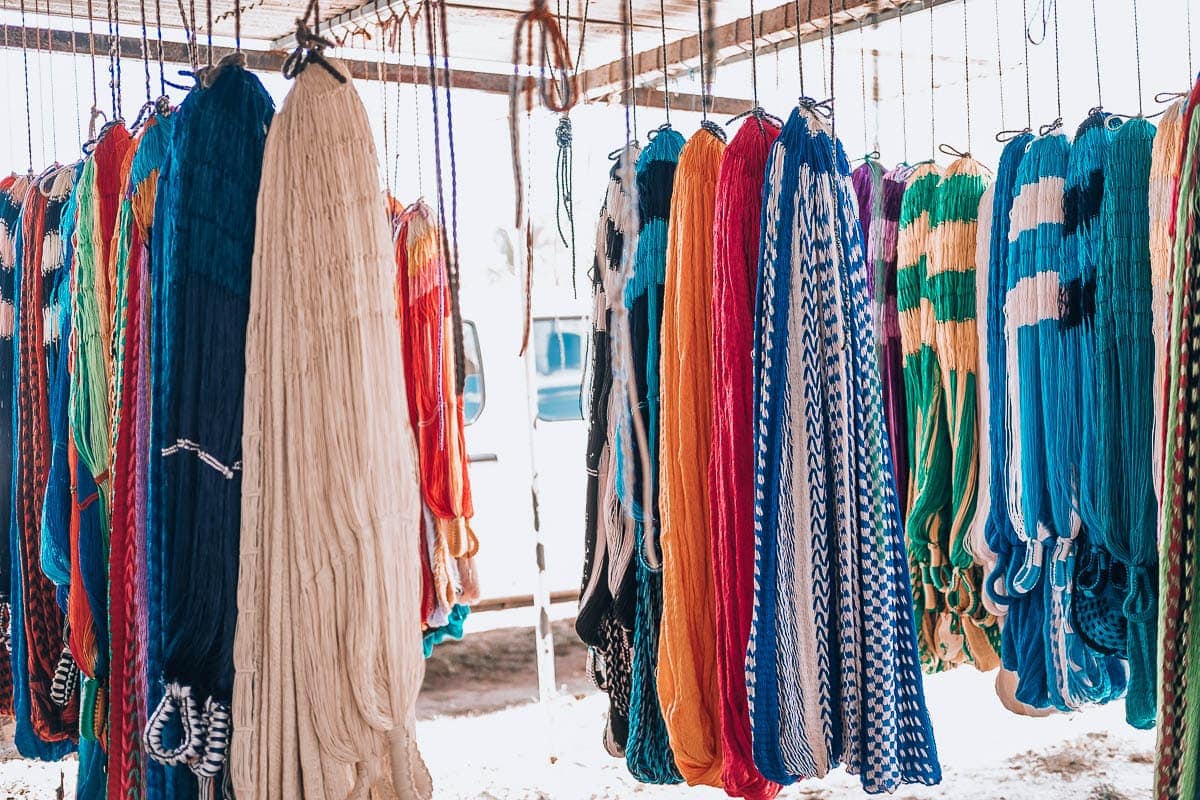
(558, 93)
(809, 706)
(687, 684)
(565, 163)
(196, 458)
(649, 753)
(737, 217)
(1123, 490)
(1179, 707)
(351, 598)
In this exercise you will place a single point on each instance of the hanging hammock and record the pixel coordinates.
(207, 227)
(1122, 491)
(737, 219)
(608, 593)
(827, 682)
(1080, 669)
(883, 192)
(648, 752)
(44, 727)
(1177, 756)
(333, 400)
(687, 679)
(1031, 311)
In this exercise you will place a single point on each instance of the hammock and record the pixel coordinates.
(1031, 312)
(43, 726)
(127, 702)
(1079, 667)
(827, 683)
(607, 595)
(1177, 756)
(435, 412)
(968, 631)
(686, 676)
(1122, 491)
(738, 215)
(332, 400)
(207, 226)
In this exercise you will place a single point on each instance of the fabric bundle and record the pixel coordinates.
(436, 415)
(329, 568)
(607, 596)
(686, 676)
(648, 752)
(201, 305)
(1122, 487)
(832, 665)
(737, 220)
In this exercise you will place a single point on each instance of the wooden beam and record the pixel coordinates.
(60, 41)
(733, 40)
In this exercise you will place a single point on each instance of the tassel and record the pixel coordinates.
(687, 680)
(329, 568)
(737, 218)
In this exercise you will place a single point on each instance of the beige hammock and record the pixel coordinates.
(328, 646)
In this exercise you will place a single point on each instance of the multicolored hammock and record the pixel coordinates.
(832, 666)
(608, 593)
(686, 675)
(737, 219)
(648, 752)
(1177, 757)
(883, 193)
(436, 415)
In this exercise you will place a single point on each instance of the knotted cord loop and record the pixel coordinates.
(177, 701)
(309, 49)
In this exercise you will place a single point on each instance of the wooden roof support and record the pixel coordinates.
(360, 69)
(733, 40)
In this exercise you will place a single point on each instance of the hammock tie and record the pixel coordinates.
(66, 678)
(178, 701)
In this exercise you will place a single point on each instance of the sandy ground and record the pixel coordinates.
(485, 738)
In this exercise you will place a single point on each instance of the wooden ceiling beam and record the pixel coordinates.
(733, 40)
(130, 48)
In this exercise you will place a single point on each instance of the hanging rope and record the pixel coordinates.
(1096, 50)
(705, 74)
(1137, 52)
(25, 67)
(932, 91)
(903, 87)
(967, 72)
(800, 51)
(662, 55)
(999, 63)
